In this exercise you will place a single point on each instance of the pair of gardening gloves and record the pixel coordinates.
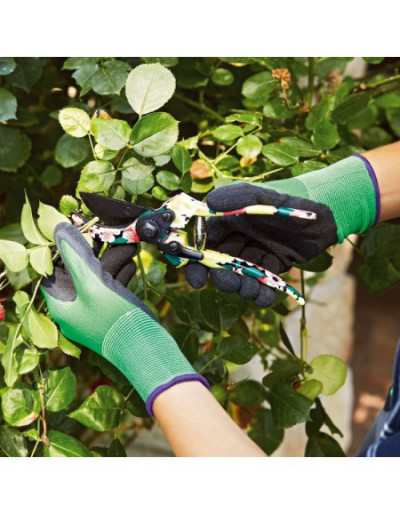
(89, 300)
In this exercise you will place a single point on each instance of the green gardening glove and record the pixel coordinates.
(94, 309)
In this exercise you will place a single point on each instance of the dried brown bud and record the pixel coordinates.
(284, 76)
(200, 170)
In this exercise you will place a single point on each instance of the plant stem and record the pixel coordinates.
(310, 81)
(143, 275)
(255, 178)
(19, 326)
(303, 324)
(200, 107)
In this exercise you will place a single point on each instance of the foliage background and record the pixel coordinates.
(239, 119)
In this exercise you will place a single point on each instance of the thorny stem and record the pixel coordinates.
(303, 323)
(200, 107)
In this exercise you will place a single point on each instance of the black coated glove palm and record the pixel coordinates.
(274, 242)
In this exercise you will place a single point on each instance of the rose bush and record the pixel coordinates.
(143, 130)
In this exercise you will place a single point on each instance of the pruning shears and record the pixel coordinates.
(166, 228)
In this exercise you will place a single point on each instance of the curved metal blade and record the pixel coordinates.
(111, 211)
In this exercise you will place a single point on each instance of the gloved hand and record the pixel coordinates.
(344, 195)
(88, 301)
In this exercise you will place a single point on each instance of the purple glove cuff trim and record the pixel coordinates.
(374, 180)
(190, 377)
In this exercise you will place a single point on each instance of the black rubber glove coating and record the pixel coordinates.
(274, 242)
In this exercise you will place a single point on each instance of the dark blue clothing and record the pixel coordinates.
(383, 439)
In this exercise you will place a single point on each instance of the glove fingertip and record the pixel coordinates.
(196, 275)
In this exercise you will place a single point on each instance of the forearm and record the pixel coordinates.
(196, 425)
(386, 163)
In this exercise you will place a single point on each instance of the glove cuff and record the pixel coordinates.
(348, 187)
(147, 355)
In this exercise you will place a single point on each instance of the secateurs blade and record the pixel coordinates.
(165, 227)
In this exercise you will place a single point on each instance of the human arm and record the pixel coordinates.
(87, 299)
(348, 196)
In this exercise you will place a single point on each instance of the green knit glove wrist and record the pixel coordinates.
(348, 187)
(95, 310)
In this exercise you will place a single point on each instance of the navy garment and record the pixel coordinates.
(383, 439)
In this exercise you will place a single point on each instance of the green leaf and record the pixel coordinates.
(43, 331)
(27, 359)
(326, 135)
(96, 177)
(259, 87)
(277, 109)
(154, 134)
(388, 100)
(8, 105)
(110, 77)
(116, 449)
(306, 167)
(323, 445)
(137, 177)
(283, 370)
(374, 137)
(20, 406)
(300, 147)
(68, 348)
(49, 218)
(28, 225)
(112, 134)
(327, 65)
(219, 310)
(350, 107)
(68, 204)
(310, 389)
(84, 76)
(169, 62)
(247, 392)
(71, 151)
(61, 389)
(288, 407)
(380, 267)
(27, 72)
(181, 159)
(7, 65)
(149, 87)
(393, 117)
(101, 411)
(330, 371)
(21, 300)
(227, 133)
(237, 349)
(41, 261)
(222, 77)
(75, 122)
(161, 160)
(279, 153)
(63, 445)
(249, 146)
(15, 148)
(14, 255)
(168, 180)
(12, 442)
(320, 112)
(51, 176)
(159, 193)
(12, 232)
(103, 153)
(265, 433)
